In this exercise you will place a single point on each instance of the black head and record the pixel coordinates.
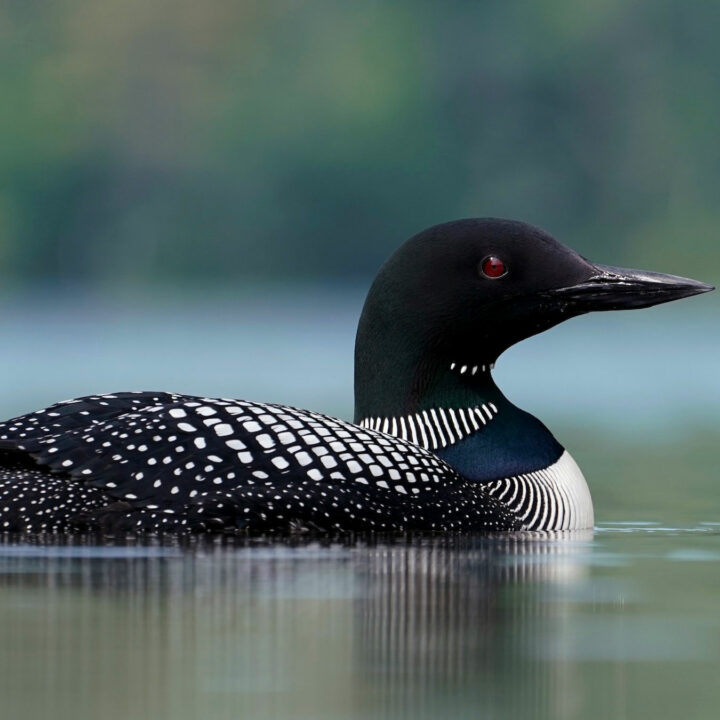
(465, 291)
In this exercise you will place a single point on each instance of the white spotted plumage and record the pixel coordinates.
(215, 463)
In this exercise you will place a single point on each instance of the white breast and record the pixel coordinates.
(556, 498)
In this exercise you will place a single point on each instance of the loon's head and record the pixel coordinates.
(459, 294)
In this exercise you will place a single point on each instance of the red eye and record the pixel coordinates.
(493, 267)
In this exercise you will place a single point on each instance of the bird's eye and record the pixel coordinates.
(493, 267)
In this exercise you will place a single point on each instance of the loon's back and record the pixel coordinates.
(164, 462)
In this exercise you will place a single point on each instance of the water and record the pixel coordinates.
(619, 623)
(624, 624)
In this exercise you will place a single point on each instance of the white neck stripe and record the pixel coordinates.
(471, 369)
(435, 428)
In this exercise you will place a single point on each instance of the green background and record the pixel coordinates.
(182, 143)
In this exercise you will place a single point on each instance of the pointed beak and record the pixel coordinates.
(613, 288)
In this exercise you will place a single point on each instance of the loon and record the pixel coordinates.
(435, 446)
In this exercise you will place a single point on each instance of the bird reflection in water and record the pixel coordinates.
(287, 629)
(464, 615)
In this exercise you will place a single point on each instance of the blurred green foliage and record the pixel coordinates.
(146, 141)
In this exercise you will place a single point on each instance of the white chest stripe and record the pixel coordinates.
(556, 498)
(436, 428)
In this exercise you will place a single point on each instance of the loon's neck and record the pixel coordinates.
(458, 412)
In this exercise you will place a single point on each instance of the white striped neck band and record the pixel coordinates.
(435, 428)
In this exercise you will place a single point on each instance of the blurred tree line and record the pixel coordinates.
(147, 141)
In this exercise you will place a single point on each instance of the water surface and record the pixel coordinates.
(620, 623)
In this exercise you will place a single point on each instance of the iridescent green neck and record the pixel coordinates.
(386, 385)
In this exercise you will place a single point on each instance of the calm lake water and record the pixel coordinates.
(622, 622)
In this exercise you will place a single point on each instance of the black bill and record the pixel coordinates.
(613, 288)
